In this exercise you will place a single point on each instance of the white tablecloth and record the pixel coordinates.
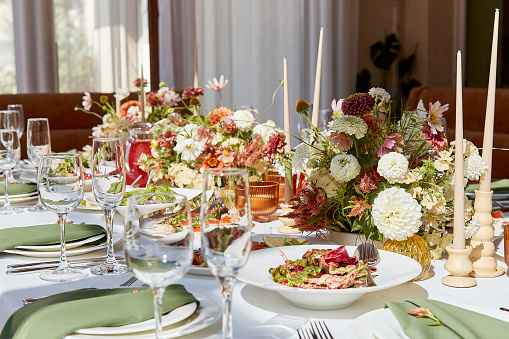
(256, 313)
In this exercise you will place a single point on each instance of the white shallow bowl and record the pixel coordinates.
(393, 270)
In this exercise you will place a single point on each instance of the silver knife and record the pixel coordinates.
(56, 262)
(27, 270)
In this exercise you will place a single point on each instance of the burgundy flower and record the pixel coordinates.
(308, 204)
(276, 143)
(154, 99)
(192, 92)
(437, 141)
(392, 143)
(137, 82)
(358, 104)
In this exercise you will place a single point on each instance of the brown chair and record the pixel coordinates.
(69, 128)
(474, 112)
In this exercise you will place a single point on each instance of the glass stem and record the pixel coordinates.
(110, 252)
(7, 204)
(226, 285)
(63, 265)
(158, 310)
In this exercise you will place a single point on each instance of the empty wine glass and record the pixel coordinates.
(38, 144)
(61, 187)
(9, 156)
(19, 118)
(108, 185)
(158, 242)
(10, 120)
(226, 230)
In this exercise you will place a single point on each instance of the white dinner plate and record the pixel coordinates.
(76, 251)
(68, 245)
(196, 270)
(206, 315)
(168, 319)
(393, 270)
(29, 176)
(16, 196)
(384, 324)
(13, 199)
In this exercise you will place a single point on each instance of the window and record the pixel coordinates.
(7, 65)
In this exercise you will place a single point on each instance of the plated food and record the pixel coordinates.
(322, 269)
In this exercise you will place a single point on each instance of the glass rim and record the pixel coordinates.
(14, 105)
(61, 155)
(3, 130)
(7, 111)
(105, 139)
(37, 119)
(227, 171)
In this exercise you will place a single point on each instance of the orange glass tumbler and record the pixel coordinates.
(264, 199)
(275, 176)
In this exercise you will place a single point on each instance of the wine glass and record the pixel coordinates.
(158, 242)
(19, 118)
(9, 156)
(226, 230)
(108, 185)
(61, 187)
(38, 144)
(10, 120)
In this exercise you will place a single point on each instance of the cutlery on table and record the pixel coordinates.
(27, 301)
(36, 269)
(318, 330)
(368, 254)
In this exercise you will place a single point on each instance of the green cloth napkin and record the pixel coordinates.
(59, 315)
(457, 322)
(500, 186)
(15, 189)
(45, 234)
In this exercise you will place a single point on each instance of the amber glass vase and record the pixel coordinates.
(276, 177)
(264, 199)
(414, 247)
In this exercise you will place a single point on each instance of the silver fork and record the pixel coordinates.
(368, 253)
(318, 330)
(129, 282)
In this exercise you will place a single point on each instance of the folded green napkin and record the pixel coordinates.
(45, 234)
(15, 189)
(500, 186)
(457, 322)
(59, 315)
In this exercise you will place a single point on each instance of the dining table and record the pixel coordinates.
(257, 313)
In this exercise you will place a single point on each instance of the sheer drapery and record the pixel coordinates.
(86, 33)
(246, 41)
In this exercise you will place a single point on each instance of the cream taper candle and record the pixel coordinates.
(142, 96)
(487, 146)
(195, 84)
(459, 191)
(117, 82)
(288, 147)
(318, 77)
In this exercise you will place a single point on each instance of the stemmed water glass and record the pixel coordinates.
(9, 156)
(226, 230)
(61, 187)
(108, 185)
(158, 242)
(38, 144)
(19, 118)
(10, 120)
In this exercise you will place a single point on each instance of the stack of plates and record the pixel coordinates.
(183, 320)
(72, 248)
(18, 198)
(381, 323)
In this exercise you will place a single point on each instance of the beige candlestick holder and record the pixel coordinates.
(483, 248)
(288, 222)
(459, 265)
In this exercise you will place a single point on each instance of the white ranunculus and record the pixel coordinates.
(396, 214)
(474, 167)
(351, 125)
(393, 167)
(189, 149)
(265, 130)
(301, 156)
(344, 167)
(380, 94)
(244, 120)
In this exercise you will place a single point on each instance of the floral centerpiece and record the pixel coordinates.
(383, 174)
(187, 142)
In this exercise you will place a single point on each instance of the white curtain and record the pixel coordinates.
(246, 40)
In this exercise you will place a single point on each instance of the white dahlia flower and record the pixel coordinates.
(188, 131)
(380, 94)
(244, 120)
(344, 167)
(396, 214)
(265, 130)
(393, 167)
(351, 125)
(301, 155)
(474, 167)
(189, 149)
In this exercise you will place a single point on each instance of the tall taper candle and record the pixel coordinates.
(196, 64)
(459, 192)
(288, 147)
(318, 77)
(142, 96)
(117, 82)
(487, 145)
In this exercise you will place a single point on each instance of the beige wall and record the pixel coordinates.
(426, 26)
